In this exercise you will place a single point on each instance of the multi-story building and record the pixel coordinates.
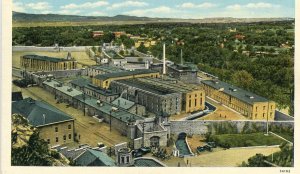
(88, 88)
(55, 126)
(45, 63)
(184, 72)
(156, 99)
(104, 80)
(167, 95)
(249, 104)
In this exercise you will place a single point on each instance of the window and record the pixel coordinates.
(264, 107)
(256, 108)
(271, 113)
(56, 129)
(264, 115)
(65, 137)
(56, 139)
(69, 126)
(195, 102)
(190, 103)
(70, 136)
(271, 106)
(48, 141)
(255, 115)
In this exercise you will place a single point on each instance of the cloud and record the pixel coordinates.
(152, 12)
(85, 5)
(234, 7)
(192, 5)
(128, 4)
(259, 5)
(18, 7)
(69, 12)
(96, 13)
(39, 6)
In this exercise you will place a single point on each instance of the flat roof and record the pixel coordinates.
(106, 107)
(124, 74)
(234, 91)
(184, 67)
(64, 89)
(46, 58)
(123, 103)
(86, 83)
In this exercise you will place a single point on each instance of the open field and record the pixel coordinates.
(244, 140)
(81, 57)
(91, 131)
(228, 158)
(222, 113)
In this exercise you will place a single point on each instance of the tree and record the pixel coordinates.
(27, 148)
(142, 48)
(242, 79)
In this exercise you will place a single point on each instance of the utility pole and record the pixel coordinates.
(110, 120)
(83, 103)
(181, 59)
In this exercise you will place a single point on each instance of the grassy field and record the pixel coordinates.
(81, 57)
(229, 157)
(244, 140)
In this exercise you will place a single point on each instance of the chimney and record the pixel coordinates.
(164, 59)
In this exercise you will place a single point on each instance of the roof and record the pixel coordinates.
(62, 88)
(123, 103)
(184, 67)
(138, 83)
(93, 157)
(124, 74)
(234, 91)
(144, 162)
(46, 58)
(106, 108)
(81, 82)
(39, 113)
(108, 69)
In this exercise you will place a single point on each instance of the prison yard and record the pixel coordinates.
(156, 94)
(81, 57)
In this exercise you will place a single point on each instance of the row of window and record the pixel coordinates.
(57, 138)
(69, 127)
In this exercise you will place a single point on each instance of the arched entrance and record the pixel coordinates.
(154, 141)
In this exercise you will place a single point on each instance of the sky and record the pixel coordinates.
(188, 9)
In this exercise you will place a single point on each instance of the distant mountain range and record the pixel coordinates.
(26, 17)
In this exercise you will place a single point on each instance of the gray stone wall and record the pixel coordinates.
(202, 127)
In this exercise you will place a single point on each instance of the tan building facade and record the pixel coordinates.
(104, 80)
(248, 104)
(44, 63)
(58, 133)
(195, 101)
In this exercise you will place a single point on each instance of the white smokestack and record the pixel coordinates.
(164, 59)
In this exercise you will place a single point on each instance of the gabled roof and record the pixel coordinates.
(93, 157)
(124, 74)
(234, 91)
(39, 113)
